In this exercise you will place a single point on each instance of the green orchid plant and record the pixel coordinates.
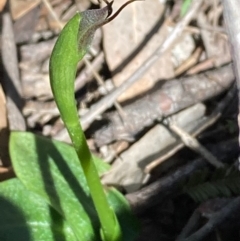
(57, 194)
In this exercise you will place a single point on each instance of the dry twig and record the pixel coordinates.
(216, 220)
(192, 60)
(166, 99)
(207, 122)
(193, 144)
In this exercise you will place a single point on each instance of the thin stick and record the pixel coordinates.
(193, 144)
(101, 83)
(216, 220)
(209, 121)
(191, 61)
(53, 13)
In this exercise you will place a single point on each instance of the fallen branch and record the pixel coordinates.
(165, 100)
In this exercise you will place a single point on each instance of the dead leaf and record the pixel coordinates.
(20, 7)
(24, 27)
(130, 39)
(2, 4)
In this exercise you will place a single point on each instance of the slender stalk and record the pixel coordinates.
(106, 215)
(63, 65)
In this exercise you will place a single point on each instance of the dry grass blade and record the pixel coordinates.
(11, 79)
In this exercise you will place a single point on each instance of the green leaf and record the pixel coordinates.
(51, 169)
(185, 6)
(222, 182)
(26, 217)
(120, 205)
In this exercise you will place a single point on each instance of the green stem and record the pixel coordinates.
(106, 215)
